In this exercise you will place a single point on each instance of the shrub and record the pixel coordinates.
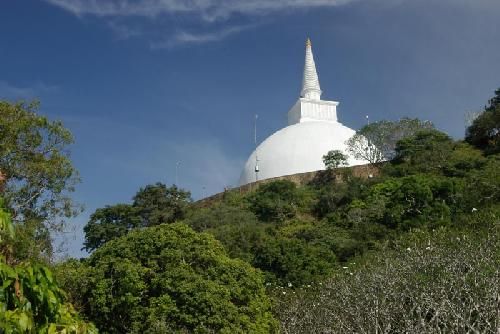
(442, 282)
(275, 201)
(169, 278)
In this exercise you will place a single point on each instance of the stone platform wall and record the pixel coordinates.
(363, 171)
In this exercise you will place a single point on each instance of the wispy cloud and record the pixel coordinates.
(123, 31)
(206, 9)
(11, 91)
(184, 17)
(185, 37)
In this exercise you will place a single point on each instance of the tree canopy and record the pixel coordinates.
(335, 159)
(169, 278)
(484, 132)
(36, 165)
(30, 299)
(376, 142)
(152, 205)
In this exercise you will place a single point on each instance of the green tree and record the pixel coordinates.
(482, 185)
(158, 204)
(109, 223)
(427, 151)
(153, 205)
(412, 201)
(295, 261)
(219, 214)
(30, 299)
(376, 142)
(171, 279)
(462, 160)
(442, 281)
(276, 201)
(484, 132)
(335, 159)
(39, 175)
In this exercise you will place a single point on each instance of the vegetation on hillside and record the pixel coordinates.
(414, 249)
(30, 299)
(446, 281)
(39, 176)
(169, 279)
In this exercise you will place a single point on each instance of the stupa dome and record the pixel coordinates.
(313, 130)
(298, 148)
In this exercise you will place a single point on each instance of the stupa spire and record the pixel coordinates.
(310, 82)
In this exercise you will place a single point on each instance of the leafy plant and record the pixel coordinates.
(376, 142)
(335, 159)
(169, 278)
(30, 299)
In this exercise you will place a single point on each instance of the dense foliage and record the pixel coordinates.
(376, 142)
(335, 159)
(411, 248)
(446, 281)
(30, 299)
(169, 279)
(484, 132)
(39, 174)
(152, 205)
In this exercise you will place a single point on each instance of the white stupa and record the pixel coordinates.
(313, 130)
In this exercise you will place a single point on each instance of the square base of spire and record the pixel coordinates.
(307, 110)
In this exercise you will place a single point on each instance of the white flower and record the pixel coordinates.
(408, 249)
(345, 268)
(289, 284)
(350, 273)
(474, 209)
(308, 285)
(284, 292)
(428, 248)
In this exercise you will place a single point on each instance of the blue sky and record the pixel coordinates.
(145, 84)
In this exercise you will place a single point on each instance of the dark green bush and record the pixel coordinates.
(169, 278)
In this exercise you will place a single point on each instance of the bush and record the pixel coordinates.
(276, 201)
(217, 215)
(168, 278)
(442, 282)
(484, 132)
(30, 299)
(412, 201)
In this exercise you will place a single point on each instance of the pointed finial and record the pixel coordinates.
(310, 83)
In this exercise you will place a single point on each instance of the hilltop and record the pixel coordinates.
(410, 244)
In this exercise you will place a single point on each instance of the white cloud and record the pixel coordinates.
(10, 91)
(123, 17)
(206, 9)
(123, 31)
(185, 37)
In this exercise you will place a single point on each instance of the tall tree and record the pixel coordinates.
(35, 162)
(484, 132)
(157, 204)
(376, 142)
(30, 299)
(171, 279)
(335, 159)
(153, 205)
(425, 152)
(109, 223)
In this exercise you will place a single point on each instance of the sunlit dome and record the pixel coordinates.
(312, 131)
